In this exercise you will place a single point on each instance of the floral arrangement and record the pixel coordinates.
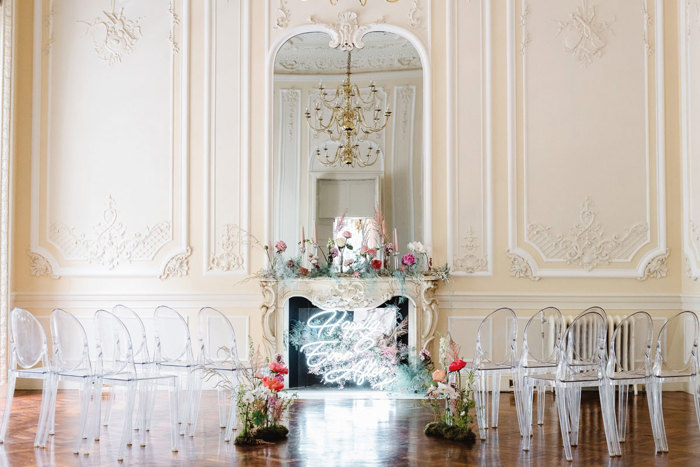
(260, 400)
(415, 376)
(450, 399)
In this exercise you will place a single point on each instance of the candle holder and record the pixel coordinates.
(396, 260)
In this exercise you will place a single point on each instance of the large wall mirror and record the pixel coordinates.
(325, 164)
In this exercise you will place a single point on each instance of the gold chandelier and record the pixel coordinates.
(348, 125)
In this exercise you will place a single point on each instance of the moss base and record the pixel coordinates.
(272, 433)
(247, 439)
(451, 432)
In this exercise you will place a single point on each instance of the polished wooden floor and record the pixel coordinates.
(359, 432)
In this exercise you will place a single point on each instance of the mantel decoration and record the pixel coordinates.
(453, 419)
(376, 256)
(347, 125)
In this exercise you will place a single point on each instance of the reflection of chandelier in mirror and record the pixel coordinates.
(348, 125)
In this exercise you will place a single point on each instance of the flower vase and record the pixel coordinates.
(396, 260)
(341, 259)
(448, 412)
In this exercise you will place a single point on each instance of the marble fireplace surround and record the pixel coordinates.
(347, 293)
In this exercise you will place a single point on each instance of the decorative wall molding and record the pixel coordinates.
(283, 15)
(520, 267)
(231, 247)
(690, 117)
(177, 266)
(656, 268)
(119, 246)
(40, 266)
(227, 141)
(114, 35)
(415, 15)
(469, 145)
(584, 34)
(289, 156)
(585, 244)
(347, 32)
(403, 195)
(111, 243)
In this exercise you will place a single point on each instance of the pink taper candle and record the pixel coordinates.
(396, 240)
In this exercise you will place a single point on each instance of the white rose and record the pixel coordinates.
(340, 241)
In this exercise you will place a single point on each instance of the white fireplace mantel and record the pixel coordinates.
(348, 293)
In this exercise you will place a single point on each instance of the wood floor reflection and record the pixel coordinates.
(358, 432)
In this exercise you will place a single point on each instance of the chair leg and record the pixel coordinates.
(195, 399)
(42, 429)
(481, 404)
(696, 397)
(108, 405)
(173, 400)
(622, 401)
(85, 394)
(561, 394)
(11, 380)
(144, 393)
(574, 405)
(52, 409)
(659, 411)
(231, 423)
(607, 405)
(128, 418)
(652, 415)
(495, 398)
(541, 395)
(527, 388)
(221, 393)
(519, 401)
(97, 408)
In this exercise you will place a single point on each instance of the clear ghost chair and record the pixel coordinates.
(219, 353)
(539, 354)
(115, 365)
(173, 353)
(494, 356)
(71, 362)
(142, 357)
(581, 363)
(28, 348)
(676, 360)
(629, 362)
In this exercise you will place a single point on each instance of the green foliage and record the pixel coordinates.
(452, 432)
(413, 376)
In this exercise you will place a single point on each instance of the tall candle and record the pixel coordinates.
(396, 240)
(315, 237)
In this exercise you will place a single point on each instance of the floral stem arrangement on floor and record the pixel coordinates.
(261, 402)
(372, 255)
(451, 397)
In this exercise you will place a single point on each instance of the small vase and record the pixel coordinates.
(341, 259)
(448, 412)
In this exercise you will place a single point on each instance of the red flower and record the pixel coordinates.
(278, 368)
(303, 271)
(457, 365)
(376, 264)
(272, 384)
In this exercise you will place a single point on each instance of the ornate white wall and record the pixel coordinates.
(143, 163)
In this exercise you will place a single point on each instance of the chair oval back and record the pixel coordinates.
(178, 345)
(70, 342)
(217, 337)
(496, 339)
(27, 340)
(137, 331)
(630, 345)
(115, 354)
(677, 345)
(541, 337)
(584, 341)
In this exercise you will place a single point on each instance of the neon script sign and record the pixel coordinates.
(346, 350)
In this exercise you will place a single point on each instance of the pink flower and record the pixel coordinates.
(280, 246)
(389, 247)
(348, 262)
(356, 275)
(408, 259)
(347, 234)
(276, 367)
(278, 358)
(424, 354)
(364, 250)
(439, 376)
(372, 252)
(334, 252)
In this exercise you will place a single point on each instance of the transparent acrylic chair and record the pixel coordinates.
(629, 362)
(540, 350)
(173, 353)
(28, 348)
(219, 352)
(71, 362)
(115, 365)
(494, 356)
(676, 360)
(581, 363)
(142, 357)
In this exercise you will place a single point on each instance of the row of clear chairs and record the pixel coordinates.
(122, 360)
(568, 359)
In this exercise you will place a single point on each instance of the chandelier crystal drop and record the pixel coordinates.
(353, 118)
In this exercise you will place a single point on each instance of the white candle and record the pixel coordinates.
(302, 236)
